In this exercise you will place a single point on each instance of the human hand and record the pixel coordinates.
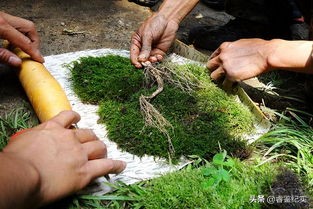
(20, 33)
(66, 160)
(240, 60)
(152, 40)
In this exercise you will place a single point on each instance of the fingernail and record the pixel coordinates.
(39, 53)
(142, 58)
(159, 57)
(15, 61)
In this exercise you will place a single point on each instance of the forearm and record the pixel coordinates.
(291, 55)
(19, 183)
(176, 9)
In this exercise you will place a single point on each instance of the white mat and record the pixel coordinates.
(138, 169)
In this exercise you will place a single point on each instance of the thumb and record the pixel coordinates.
(146, 48)
(9, 58)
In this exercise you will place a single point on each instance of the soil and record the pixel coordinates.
(75, 25)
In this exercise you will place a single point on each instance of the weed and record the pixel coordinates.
(290, 141)
(219, 170)
(14, 121)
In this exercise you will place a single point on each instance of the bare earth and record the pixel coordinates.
(74, 25)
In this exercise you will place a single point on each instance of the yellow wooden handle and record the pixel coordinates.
(42, 89)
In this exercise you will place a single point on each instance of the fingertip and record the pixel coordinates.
(208, 65)
(38, 56)
(213, 64)
(153, 59)
(159, 57)
(14, 61)
(218, 74)
(142, 58)
(66, 118)
(120, 166)
(138, 65)
(115, 166)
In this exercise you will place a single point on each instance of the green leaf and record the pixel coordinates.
(219, 158)
(224, 175)
(209, 171)
(229, 163)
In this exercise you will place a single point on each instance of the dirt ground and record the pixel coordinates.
(74, 25)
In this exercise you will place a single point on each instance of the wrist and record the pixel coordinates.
(290, 55)
(176, 10)
(21, 180)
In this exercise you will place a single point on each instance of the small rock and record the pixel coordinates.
(199, 16)
(120, 22)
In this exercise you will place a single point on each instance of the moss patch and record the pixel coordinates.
(106, 78)
(185, 189)
(203, 121)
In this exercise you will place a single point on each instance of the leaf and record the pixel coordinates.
(219, 158)
(229, 163)
(209, 171)
(224, 175)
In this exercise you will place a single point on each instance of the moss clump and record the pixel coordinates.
(186, 189)
(105, 78)
(203, 120)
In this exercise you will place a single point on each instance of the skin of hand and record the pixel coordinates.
(152, 40)
(155, 36)
(51, 161)
(247, 58)
(20, 33)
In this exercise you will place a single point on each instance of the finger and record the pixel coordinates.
(66, 118)
(159, 57)
(213, 63)
(215, 53)
(158, 53)
(9, 58)
(25, 26)
(228, 85)
(15, 36)
(85, 135)
(146, 48)
(153, 59)
(135, 50)
(95, 150)
(218, 73)
(101, 167)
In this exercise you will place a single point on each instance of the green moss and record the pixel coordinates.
(103, 78)
(189, 188)
(203, 121)
(185, 189)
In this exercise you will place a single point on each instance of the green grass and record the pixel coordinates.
(291, 144)
(14, 121)
(203, 121)
(187, 188)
